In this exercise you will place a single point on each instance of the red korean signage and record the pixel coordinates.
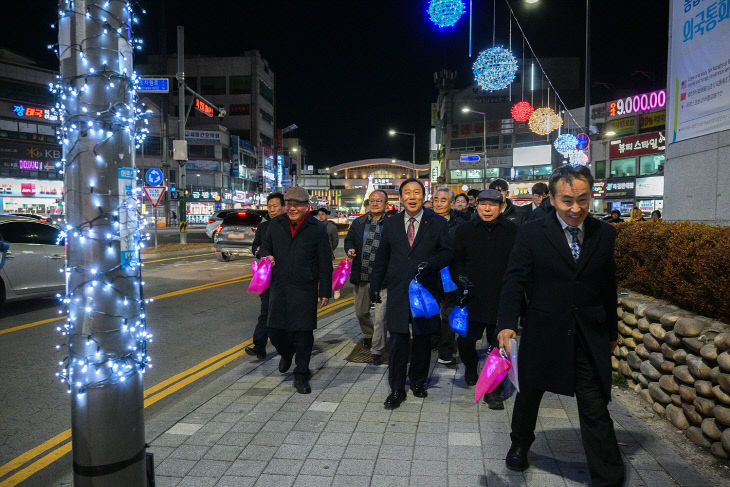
(203, 107)
(637, 145)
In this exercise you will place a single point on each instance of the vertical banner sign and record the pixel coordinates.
(127, 215)
(699, 69)
(435, 171)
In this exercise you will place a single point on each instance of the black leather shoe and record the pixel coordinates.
(377, 359)
(516, 459)
(394, 399)
(285, 364)
(494, 401)
(260, 354)
(470, 377)
(302, 386)
(419, 390)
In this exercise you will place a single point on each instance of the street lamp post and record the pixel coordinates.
(484, 139)
(392, 133)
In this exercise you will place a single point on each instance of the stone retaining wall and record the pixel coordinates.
(679, 363)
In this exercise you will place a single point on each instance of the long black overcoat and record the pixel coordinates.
(564, 298)
(481, 253)
(302, 272)
(396, 264)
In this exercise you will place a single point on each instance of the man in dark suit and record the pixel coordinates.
(414, 243)
(481, 250)
(274, 207)
(565, 264)
(298, 246)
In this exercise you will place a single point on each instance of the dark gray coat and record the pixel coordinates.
(563, 298)
(302, 272)
(396, 264)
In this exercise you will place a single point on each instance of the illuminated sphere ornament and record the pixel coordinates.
(566, 143)
(521, 111)
(445, 13)
(583, 141)
(495, 69)
(578, 158)
(544, 120)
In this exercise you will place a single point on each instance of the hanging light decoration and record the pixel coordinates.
(544, 120)
(583, 141)
(445, 13)
(578, 158)
(566, 143)
(521, 111)
(495, 69)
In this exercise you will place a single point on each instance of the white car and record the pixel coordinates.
(34, 262)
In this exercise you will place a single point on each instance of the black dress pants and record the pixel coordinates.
(596, 427)
(468, 344)
(260, 335)
(447, 344)
(398, 360)
(297, 344)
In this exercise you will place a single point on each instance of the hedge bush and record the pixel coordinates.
(687, 264)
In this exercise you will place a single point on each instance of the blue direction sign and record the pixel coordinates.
(470, 158)
(153, 85)
(154, 176)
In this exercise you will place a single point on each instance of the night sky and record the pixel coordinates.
(348, 70)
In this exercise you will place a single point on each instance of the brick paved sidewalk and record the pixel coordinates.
(257, 431)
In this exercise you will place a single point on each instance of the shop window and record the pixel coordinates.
(266, 116)
(266, 91)
(621, 168)
(651, 164)
(239, 85)
(206, 151)
(542, 171)
(213, 85)
(600, 169)
(492, 172)
(265, 139)
(201, 179)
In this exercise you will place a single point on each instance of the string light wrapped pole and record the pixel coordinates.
(106, 328)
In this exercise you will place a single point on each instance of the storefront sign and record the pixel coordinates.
(202, 166)
(245, 146)
(620, 188)
(37, 152)
(35, 188)
(435, 171)
(522, 191)
(637, 145)
(637, 104)
(599, 188)
(699, 68)
(26, 111)
(621, 125)
(203, 135)
(651, 186)
(656, 119)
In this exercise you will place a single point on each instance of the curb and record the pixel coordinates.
(176, 253)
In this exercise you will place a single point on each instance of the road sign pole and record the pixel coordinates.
(155, 210)
(183, 210)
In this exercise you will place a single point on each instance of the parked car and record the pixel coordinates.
(34, 261)
(35, 216)
(234, 235)
(214, 220)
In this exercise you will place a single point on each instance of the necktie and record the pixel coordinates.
(411, 233)
(574, 242)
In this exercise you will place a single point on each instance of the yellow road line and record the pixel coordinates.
(177, 258)
(152, 395)
(31, 325)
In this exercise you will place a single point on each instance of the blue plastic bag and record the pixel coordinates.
(459, 320)
(423, 304)
(448, 283)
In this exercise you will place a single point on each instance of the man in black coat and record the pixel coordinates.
(481, 251)
(361, 245)
(443, 200)
(274, 207)
(414, 243)
(510, 211)
(565, 264)
(541, 211)
(297, 244)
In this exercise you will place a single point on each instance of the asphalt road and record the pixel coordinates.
(172, 235)
(188, 328)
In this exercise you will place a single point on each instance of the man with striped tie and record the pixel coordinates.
(564, 264)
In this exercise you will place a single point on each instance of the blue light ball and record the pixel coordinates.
(565, 143)
(445, 13)
(495, 69)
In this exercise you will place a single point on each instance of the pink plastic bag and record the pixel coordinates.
(339, 277)
(494, 371)
(261, 276)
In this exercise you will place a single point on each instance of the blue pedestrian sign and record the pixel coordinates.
(154, 176)
(153, 85)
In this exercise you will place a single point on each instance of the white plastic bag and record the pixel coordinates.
(512, 374)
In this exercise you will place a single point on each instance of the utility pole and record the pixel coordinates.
(105, 329)
(182, 187)
(588, 70)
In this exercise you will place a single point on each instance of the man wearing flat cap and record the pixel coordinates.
(481, 251)
(298, 245)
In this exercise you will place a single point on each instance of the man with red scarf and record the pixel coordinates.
(301, 276)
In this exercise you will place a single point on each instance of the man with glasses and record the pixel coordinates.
(298, 246)
(361, 245)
